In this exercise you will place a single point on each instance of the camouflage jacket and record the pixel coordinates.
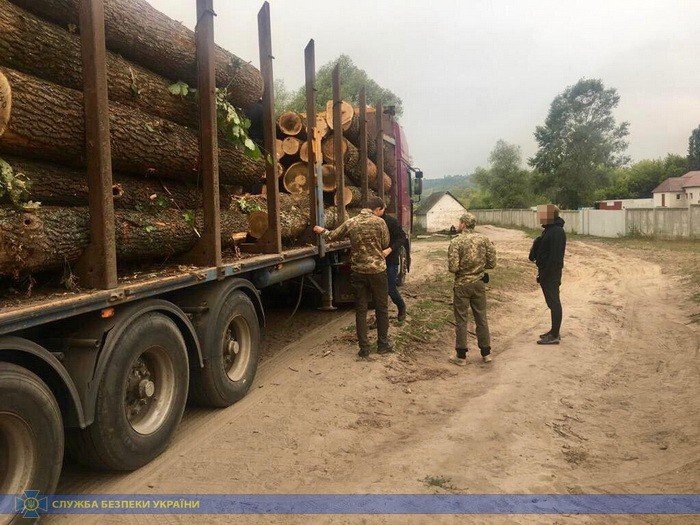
(469, 255)
(369, 236)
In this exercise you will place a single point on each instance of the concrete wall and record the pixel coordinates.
(662, 222)
(444, 214)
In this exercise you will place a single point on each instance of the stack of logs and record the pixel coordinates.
(154, 140)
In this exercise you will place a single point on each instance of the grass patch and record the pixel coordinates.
(442, 482)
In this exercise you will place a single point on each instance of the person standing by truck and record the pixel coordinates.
(548, 253)
(369, 237)
(397, 241)
(469, 254)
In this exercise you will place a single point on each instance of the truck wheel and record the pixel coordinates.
(230, 354)
(141, 397)
(402, 267)
(31, 433)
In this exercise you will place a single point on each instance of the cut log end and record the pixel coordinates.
(290, 123)
(346, 114)
(328, 148)
(279, 150)
(291, 145)
(347, 197)
(257, 224)
(296, 178)
(5, 102)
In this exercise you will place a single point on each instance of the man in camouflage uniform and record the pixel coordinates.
(470, 253)
(369, 237)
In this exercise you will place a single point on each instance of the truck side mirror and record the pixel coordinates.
(418, 184)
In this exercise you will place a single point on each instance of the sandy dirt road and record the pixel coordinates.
(613, 409)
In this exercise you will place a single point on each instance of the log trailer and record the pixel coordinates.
(106, 372)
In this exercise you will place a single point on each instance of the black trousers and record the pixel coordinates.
(371, 287)
(550, 288)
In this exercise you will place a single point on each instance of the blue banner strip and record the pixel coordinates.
(36, 503)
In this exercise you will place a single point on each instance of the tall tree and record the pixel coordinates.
(352, 79)
(505, 183)
(580, 143)
(694, 150)
(283, 96)
(639, 180)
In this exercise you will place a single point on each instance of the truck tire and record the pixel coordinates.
(141, 397)
(231, 353)
(31, 433)
(403, 269)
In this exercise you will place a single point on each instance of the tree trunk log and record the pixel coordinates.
(353, 196)
(141, 33)
(294, 216)
(346, 114)
(41, 49)
(290, 123)
(55, 185)
(49, 237)
(352, 169)
(47, 122)
(296, 178)
(291, 145)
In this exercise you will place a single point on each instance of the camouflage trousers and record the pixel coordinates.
(465, 296)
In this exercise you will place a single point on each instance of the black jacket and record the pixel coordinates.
(548, 249)
(397, 239)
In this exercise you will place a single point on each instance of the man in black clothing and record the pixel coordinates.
(548, 253)
(397, 241)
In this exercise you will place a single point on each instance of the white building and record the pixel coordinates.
(438, 212)
(678, 192)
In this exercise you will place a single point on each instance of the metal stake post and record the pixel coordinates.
(338, 146)
(363, 146)
(380, 151)
(314, 145)
(207, 251)
(97, 267)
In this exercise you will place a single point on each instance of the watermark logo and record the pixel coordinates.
(30, 504)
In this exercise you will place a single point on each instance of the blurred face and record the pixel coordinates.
(546, 214)
(462, 226)
(379, 212)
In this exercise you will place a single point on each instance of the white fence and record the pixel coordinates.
(662, 222)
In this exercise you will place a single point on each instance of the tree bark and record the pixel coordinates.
(47, 122)
(144, 35)
(294, 216)
(352, 169)
(48, 238)
(55, 185)
(41, 49)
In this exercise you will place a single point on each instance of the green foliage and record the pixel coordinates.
(233, 125)
(352, 78)
(505, 183)
(579, 143)
(248, 205)
(283, 97)
(639, 180)
(189, 216)
(694, 150)
(14, 188)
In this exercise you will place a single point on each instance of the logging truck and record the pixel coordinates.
(104, 367)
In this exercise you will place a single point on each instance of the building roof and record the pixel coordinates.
(431, 200)
(670, 185)
(677, 184)
(691, 179)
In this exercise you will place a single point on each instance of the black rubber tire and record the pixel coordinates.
(211, 385)
(111, 443)
(401, 280)
(23, 394)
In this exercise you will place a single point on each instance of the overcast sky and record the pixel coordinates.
(471, 72)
